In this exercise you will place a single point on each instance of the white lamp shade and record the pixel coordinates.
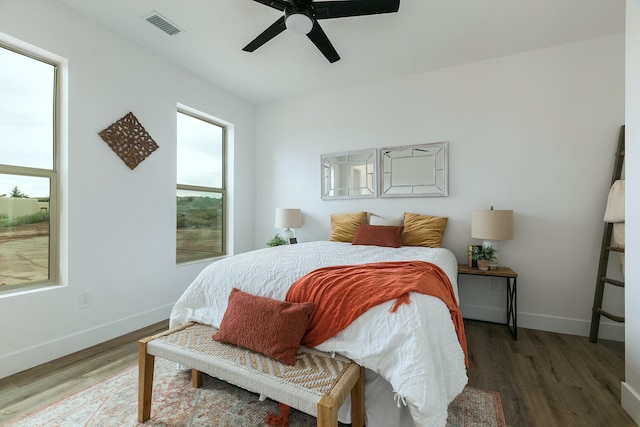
(288, 218)
(492, 225)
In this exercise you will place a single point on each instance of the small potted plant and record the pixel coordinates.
(276, 241)
(485, 256)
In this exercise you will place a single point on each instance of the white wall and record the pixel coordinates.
(118, 225)
(631, 385)
(533, 132)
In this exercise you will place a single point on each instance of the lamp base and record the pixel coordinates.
(287, 234)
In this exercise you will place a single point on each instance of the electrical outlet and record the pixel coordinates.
(496, 284)
(85, 299)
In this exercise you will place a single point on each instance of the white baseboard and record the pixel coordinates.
(33, 356)
(487, 314)
(563, 325)
(630, 400)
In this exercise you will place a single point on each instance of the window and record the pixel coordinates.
(28, 181)
(200, 224)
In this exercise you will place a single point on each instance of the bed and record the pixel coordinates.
(414, 362)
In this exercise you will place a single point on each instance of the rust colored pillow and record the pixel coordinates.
(264, 325)
(423, 230)
(379, 235)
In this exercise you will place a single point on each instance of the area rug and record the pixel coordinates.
(114, 402)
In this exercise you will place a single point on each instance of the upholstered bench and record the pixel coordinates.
(317, 384)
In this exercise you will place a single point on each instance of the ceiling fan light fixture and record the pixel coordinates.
(303, 16)
(299, 21)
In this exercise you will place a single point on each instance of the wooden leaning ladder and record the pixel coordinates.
(606, 249)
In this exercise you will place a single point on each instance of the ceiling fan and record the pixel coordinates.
(301, 17)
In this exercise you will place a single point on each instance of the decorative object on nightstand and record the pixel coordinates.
(276, 241)
(473, 252)
(485, 256)
(491, 226)
(288, 218)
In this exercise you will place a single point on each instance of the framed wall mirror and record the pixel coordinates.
(349, 175)
(414, 170)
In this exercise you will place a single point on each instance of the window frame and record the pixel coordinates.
(204, 189)
(51, 174)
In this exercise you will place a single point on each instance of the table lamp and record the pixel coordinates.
(491, 226)
(288, 218)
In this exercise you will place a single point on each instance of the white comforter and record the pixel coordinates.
(415, 349)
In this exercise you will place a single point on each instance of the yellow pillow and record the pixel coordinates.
(344, 226)
(423, 230)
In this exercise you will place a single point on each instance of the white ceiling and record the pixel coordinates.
(424, 35)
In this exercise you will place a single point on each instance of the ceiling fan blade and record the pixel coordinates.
(276, 4)
(275, 29)
(342, 9)
(320, 39)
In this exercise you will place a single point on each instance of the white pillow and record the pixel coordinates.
(380, 220)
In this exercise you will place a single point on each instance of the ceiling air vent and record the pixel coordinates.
(163, 23)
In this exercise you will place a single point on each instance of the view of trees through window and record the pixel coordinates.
(200, 193)
(27, 173)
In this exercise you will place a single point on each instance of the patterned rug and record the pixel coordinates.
(114, 402)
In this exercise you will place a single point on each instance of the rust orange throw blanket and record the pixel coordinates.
(342, 293)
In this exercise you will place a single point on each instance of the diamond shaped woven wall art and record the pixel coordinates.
(129, 140)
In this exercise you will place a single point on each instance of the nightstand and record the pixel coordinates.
(511, 278)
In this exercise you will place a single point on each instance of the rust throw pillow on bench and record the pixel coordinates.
(264, 325)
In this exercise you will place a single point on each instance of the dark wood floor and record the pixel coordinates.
(544, 379)
(548, 379)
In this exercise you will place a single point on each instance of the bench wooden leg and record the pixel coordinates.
(328, 406)
(145, 381)
(196, 378)
(357, 401)
(327, 412)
